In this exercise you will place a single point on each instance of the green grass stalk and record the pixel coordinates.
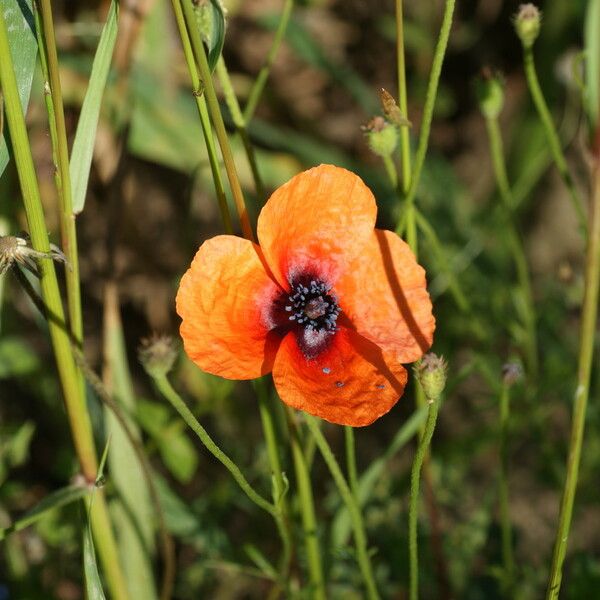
(515, 243)
(211, 149)
(360, 537)
(63, 178)
(402, 98)
(505, 525)
(217, 118)
(76, 409)
(351, 461)
(307, 508)
(586, 353)
(259, 83)
(551, 134)
(413, 509)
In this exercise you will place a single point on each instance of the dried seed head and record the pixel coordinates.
(431, 372)
(391, 110)
(511, 373)
(17, 250)
(489, 89)
(527, 24)
(158, 354)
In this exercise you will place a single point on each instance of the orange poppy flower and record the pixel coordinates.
(327, 303)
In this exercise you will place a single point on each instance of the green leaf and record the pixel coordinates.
(93, 585)
(15, 449)
(23, 48)
(51, 502)
(16, 358)
(592, 59)
(211, 22)
(83, 145)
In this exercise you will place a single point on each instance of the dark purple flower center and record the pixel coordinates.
(310, 310)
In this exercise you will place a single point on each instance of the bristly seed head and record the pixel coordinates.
(17, 250)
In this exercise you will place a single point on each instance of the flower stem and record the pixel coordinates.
(402, 98)
(217, 118)
(307, 506)
(413, 509)
(351, 461)
(165, 388)
(515, 244)
(586, 352)
(551, 133)
(75, 405)
(260, 81)
(360, 537)
(506, 531)
(213, 158)
(432, 87)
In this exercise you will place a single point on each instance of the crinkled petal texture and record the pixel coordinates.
(352, 382)
(224, 300)
(384, 295)
(317, 222)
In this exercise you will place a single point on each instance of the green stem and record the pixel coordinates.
(360, 537)
(432, 87)
(586, 353)
(240, 125)
(63, 178)
(279, 481)
(390, 169)
(307, 506)
(351, 461)
(217, 118)
(76, 410)
(213, 159)
(515, 243)
(413, 509)
(260, 81)
(165, 388)
(551, 134)
(402, 98)
(506, 531)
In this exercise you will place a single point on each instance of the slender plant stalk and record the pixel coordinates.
(586, 353)
(413, 509)
(402, 98)
(213, 158)
(61, 150)
(240, 125)
(432, 87)
(307, 508)
(360, 537)
(279, 481)
(551, 134)
(217, 119)
(390, 169)
(260, 81)
(515, 244)
(165, 388)
(506, 530)
(76, 410)
(351, 461)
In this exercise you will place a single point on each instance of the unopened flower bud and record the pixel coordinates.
(527, 24)
(490, 94)
(157, 354)
(431, 372)
(511, 373)
(391, 110)
(381, 135)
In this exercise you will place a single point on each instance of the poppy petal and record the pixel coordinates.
(384, 294)
(316, 222)
(224, 300)
(351, 382)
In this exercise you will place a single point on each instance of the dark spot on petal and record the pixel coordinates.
(339, 384)
(326, 370)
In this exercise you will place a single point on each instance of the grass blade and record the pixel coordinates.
(592, 58)
(83, 145)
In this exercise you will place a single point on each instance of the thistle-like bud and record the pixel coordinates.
(157, 354)
(489, 89)
(381, 135)
(527, 24)
(431, 371)
(511, 373)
